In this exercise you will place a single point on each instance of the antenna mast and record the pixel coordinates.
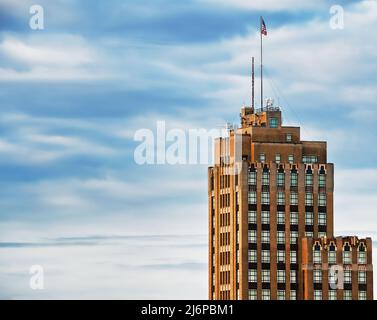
(252, 84)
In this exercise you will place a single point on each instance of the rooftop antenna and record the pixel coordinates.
(252, 84)
(263, 31)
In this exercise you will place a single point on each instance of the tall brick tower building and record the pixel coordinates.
(271, 229)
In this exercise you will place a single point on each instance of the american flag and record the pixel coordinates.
(263, 27)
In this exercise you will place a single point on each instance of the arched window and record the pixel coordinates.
(294, 177)
(322, 177)
(347, 254)
(361, 254)
(317, 253)
(265, 176)
(332, 253)
(281, 177)
(309, 177)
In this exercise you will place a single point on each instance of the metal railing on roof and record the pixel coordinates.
(268, 108)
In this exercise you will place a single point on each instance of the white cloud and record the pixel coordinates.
(30, 147)
(71, 52)
(23, 154)
(305, 61)
(112, 269)
(43, 74)
(269, 5)
(61, 57)
(355, 199)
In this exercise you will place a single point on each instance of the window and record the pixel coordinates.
(309, 159)
(238, 256)
(294, 177)
(308, 199)
(252, 178)
(252, 294)
(361, 254)
(252, 215)
(317, 276)
(309, 180)
(281, 198)
(361, 257)
(277, 158)
(265, 236)
(274, 122)
(332, 294)
(262, 157)
(317, 294)
(317, 256)
(265, 217)
(322, 180)
(294, 236)
(252, 197)
(332, 256)
(265, 256)
(309, 218)
(265, 198)
(347, 276)
(281, 237)
(347, 294)
(293, 257)
(290, 158)
(281, 276)
(322, 217)
(362, 277)
(288, 137)
(293, 276)
(265, 178)
(362, 295)
(309, 234)
(294, 198)
(265, 275)
(238, 236)
(281, 256)
(281, 179)
(322, 199)
(281, 217)
(252, 256)
(252, 236)
(281, 294)
(346, 254)
(322, 234)
(252, 275)
(294, 218)
(293, 295)
(265, 294)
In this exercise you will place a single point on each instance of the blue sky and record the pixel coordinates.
(73, 95)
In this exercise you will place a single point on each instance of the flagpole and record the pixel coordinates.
(261, 66)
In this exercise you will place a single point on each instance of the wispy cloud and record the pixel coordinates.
(270, 5)
(73, 95)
